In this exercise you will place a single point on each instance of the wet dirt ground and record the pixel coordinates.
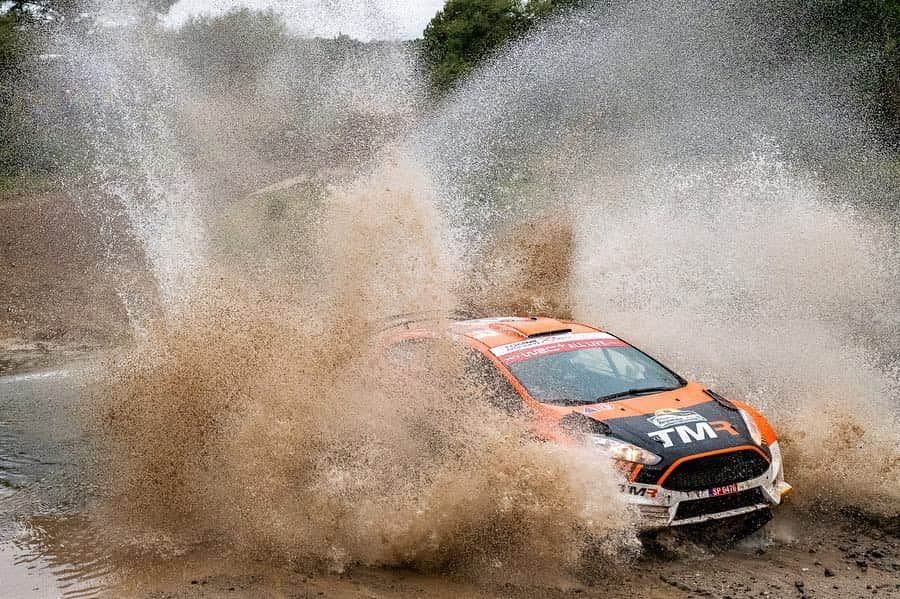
(62, 267)
(838, 562)
(832, 559)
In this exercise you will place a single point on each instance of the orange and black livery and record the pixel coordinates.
(686, 454)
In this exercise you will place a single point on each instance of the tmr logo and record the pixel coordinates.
(688, 433)
(638, 491)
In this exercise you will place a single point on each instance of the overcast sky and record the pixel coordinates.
(361, 19)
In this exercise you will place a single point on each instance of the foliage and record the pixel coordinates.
(11, 43)
(13, 53)
(871, 28)
(44, 8)
(466, 31)
(228, 51)
(65, 9)
(36, 130)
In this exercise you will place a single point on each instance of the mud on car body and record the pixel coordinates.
(686, 454)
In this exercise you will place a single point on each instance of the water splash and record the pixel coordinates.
(646, 170)
(726, 215)
(355, 18)
(287, 430)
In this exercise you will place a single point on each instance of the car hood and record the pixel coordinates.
(673, 424)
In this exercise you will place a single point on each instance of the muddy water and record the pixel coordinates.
(41, 446)
(51, 548)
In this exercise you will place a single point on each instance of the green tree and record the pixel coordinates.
(466, 31)
(13, 59)
(11, 43)
(871, 29)
(36, 130)
(228, 51)
(37, 9)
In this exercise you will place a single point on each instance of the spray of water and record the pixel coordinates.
(716, 210)
(286, 429)
(635, 170)
(762, 288)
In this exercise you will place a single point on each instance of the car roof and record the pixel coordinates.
(502, 330)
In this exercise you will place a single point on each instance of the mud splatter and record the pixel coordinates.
(287, 429)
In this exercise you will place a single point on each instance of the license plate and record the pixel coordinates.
(726, 490)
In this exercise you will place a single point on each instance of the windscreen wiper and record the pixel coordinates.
(630, 392)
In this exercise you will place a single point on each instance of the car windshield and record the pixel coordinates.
(592, 375)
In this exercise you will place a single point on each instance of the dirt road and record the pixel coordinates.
(48, 550)
(798, 556)
(62, 269)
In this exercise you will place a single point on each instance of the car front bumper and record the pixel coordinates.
(659, 507)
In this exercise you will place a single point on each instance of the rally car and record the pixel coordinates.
(686, 454)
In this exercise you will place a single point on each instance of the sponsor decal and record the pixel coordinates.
(598, 408)
(726, 490)
(638, 491)
(688, 433)
(520, 351)
(671, 416)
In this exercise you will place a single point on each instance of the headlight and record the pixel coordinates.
(620, 450)
(751, 426)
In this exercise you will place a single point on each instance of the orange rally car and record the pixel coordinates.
(687, 454)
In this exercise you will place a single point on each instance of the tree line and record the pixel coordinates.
(466, 32)
(225, 52)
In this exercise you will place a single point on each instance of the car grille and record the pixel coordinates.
(714, 505)
(716, 471)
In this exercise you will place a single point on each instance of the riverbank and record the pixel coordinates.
(65, 274)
